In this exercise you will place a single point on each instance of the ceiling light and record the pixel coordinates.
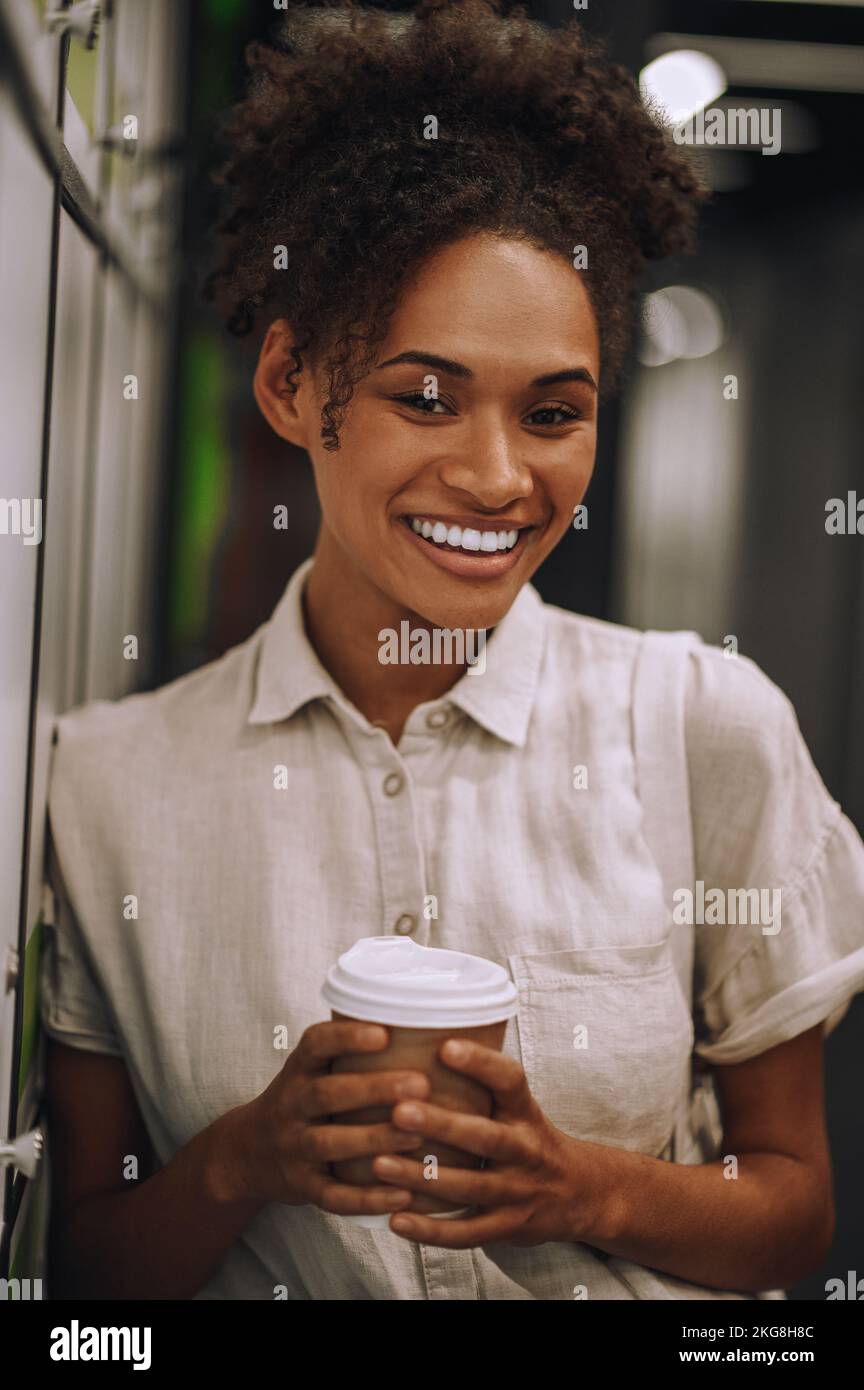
(682, 82)
(815, 67)
(680, 321)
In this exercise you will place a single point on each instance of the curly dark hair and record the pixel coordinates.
(539, 138)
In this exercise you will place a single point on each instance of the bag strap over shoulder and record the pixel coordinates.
(664, 791)
(661, 769)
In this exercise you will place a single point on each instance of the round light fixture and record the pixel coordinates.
(680, 322)
(682, 82)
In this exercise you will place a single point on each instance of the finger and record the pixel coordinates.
(322, 1041)
(335, 1092)
(466, 1187)
(503, 1075)
(332, 1143)
(344, 1199)
(473, 1133)
(459, 1234)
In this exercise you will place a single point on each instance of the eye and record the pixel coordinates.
(566, 410)
(423, 404)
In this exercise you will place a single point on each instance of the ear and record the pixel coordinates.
(285, 411)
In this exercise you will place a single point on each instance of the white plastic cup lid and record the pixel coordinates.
(391, 979)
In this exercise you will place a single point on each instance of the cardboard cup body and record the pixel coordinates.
(416, 1049)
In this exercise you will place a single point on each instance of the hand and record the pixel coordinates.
(278, 1146)
(538, 1183)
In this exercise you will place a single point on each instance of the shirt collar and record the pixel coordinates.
(289, 673)
(500, 697)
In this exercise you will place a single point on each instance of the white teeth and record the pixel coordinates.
(468, 538)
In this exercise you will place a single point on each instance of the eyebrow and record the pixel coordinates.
(458, 369)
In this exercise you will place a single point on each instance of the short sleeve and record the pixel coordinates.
(779, 894)
(72, 1007)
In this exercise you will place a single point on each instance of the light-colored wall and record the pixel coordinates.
(93, 456)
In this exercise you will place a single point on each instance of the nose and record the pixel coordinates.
(490, 466)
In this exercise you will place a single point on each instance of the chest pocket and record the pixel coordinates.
(606, 1038)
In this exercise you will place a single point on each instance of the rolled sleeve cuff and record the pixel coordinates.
(807, 973)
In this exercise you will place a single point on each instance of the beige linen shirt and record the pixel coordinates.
(220, 841)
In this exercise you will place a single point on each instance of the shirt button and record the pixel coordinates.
(393, 783)
(437, 718)
(406, 924)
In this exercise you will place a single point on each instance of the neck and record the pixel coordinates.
(344, 613)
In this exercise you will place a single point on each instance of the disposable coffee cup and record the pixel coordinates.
(422, 995)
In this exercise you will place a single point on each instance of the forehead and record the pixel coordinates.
(487, 294)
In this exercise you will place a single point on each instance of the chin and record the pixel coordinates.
(479, 612)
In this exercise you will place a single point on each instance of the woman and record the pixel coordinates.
(437, 222)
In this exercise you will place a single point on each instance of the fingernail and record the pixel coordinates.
(411, 1086)
(456, 1051)
(411, 1114)
(374, 1035)
(386, 1165)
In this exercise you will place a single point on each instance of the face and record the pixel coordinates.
(465, 450)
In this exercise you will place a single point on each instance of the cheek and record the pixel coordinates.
(568, 482)
(388, 453)
(355, 491)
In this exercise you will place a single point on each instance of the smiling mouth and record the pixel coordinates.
(465, 540)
